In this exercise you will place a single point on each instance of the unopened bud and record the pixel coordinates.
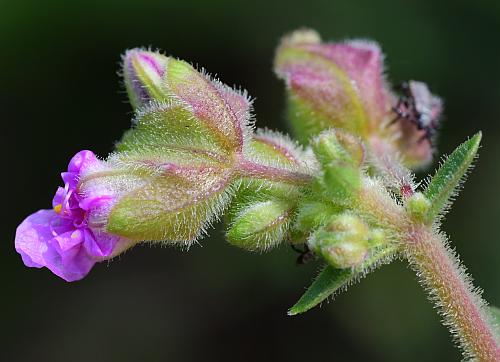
(343, 242)
(417, 206)
(181, 149)
(143, 72)
(338, 145)
(332, 84)
(260, 225)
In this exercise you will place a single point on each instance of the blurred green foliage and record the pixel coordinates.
(60, 93)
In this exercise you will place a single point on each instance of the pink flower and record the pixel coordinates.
(64, 239)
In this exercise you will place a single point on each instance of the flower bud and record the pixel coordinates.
(341, 85)
(338, 145)
(143, 73)
(151, 76)
(342, 242)
(261, 225)
(332, 85)
(262, 209)
(184, 150)
(417, 206)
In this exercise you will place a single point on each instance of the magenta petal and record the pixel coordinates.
(71, 263)
(100, 245)
(70, 179)
(94, 201)
(81, 161)
(32, 237)
(57, 248)
(70, 238)
(143, 72)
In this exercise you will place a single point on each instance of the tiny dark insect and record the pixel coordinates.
(305, 256)
(419, 106)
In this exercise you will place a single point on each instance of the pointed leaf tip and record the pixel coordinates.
(327, 282)
(332, 279)
(444, 185)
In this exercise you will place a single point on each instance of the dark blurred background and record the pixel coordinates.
(60, 93)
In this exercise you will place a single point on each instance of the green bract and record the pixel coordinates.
(192, 150)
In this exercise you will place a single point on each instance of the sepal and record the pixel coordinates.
(176, 208)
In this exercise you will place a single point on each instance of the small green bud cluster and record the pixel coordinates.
(341, 232)
(343, 241)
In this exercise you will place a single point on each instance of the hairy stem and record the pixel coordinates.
(451, 290)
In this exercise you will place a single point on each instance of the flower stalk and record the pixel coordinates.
(451, 290)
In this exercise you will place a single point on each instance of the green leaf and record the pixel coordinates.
(331, 280)
(327, 282)
(444, 185)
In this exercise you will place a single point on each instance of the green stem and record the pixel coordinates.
(450, 289)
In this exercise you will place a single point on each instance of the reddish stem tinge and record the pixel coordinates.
(449, 287)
